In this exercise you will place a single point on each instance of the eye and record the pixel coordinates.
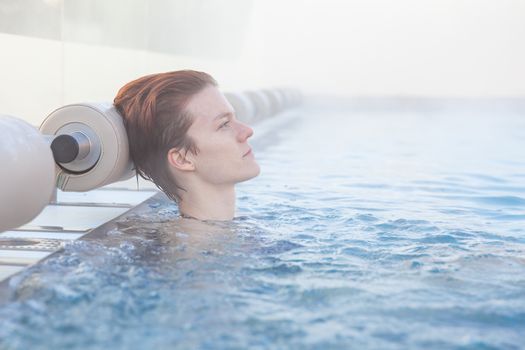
(224, 124)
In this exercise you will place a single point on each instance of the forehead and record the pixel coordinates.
(207, 104)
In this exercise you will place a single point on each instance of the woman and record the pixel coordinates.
(183, 136)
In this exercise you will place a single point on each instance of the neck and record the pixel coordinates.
(207, 202)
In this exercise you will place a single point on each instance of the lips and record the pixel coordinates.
(249, 151)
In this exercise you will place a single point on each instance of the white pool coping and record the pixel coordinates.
(74, 215)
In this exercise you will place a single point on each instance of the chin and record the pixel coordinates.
(251, 173)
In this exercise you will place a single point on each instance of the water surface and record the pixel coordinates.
(380, 228)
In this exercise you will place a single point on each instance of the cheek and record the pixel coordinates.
(214, 149)
(220, 162)
(216, 156)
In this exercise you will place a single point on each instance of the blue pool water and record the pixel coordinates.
(397, 226)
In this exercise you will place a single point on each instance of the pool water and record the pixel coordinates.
(387, 226)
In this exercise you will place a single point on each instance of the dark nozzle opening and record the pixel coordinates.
(65, 148)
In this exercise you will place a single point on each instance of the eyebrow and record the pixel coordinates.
(222, 115)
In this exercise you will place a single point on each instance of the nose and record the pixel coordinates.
(244, 132)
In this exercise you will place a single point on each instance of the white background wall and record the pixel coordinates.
(97, 47)
(429, 48)
(450, 48)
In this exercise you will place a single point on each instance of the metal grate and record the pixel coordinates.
(41, 244)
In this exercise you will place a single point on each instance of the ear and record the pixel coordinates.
(180, 160)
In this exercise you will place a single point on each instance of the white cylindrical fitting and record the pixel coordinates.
(261, 104)
(106, 159)
(243, 106)
(297, 97)
(286, 98)
(27, 172)
(273, 100)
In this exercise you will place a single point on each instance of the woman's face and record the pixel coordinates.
(224, 155)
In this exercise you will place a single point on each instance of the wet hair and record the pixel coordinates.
(154, 111)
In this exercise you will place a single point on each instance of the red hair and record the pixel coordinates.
(154, 111)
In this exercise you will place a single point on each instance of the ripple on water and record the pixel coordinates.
(279, 247)
(500, 200)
